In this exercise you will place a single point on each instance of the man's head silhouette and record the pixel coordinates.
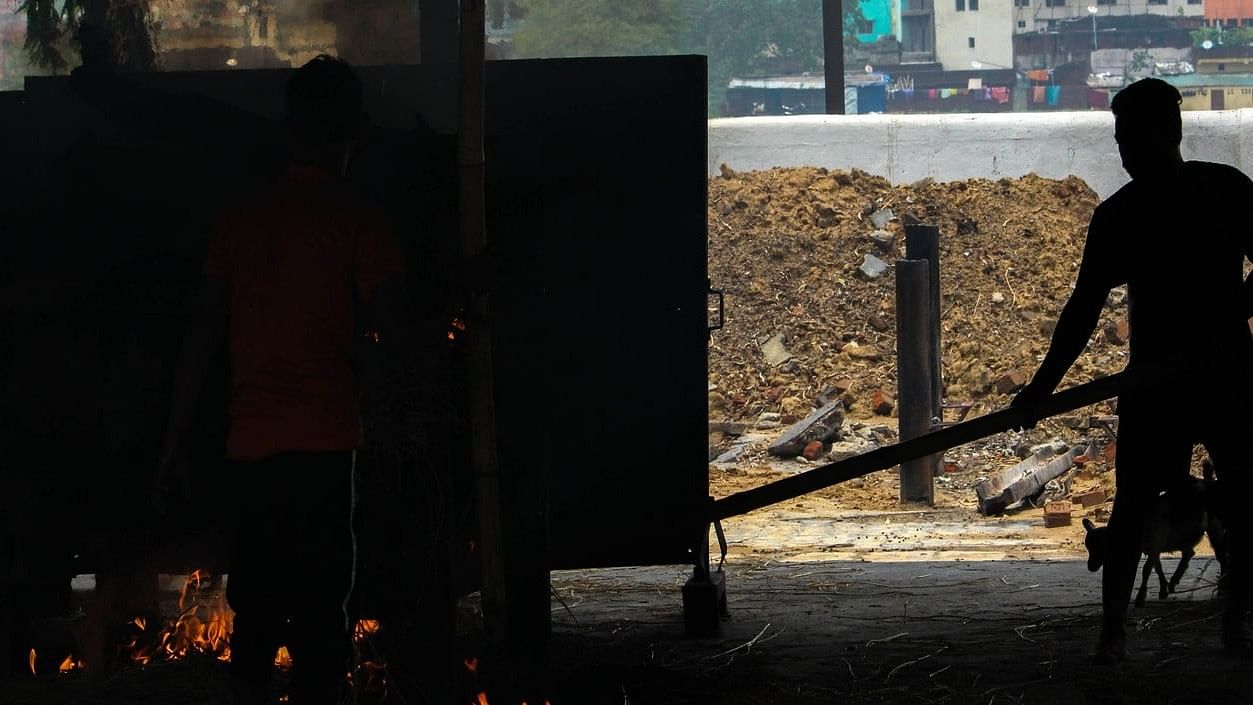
(323, 112)
(1148, 127)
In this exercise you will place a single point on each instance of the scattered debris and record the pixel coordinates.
(822, 425)
(1089, 498)
(1011, 382)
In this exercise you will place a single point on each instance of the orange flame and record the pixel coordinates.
(203, 627)
(282, 658)
(482, 699)
(31, 660)
(472, 664)
(364, 628)
(70, 664)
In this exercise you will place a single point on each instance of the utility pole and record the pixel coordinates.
(833, 54)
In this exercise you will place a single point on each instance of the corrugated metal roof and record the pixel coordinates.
(1210, 80)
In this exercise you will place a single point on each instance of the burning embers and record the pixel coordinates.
(203, 627)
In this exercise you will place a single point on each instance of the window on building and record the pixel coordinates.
(1194, 2)
(1157, 2)
(971, 41)
(1231, 22)
(865, 26)
(1022, 24)
(1022, 3)
(1106, 2)
(1222, 67)
(1055, 3)
(1247, 22)
(974, 5)
(961, 5)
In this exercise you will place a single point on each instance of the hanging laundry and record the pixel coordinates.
(1037, 94)
(1098, 99)
(1039, 75)
(947, 93)
(1053, 95)
(1000, 94)
(932, 93)
(909, 92)
(850, 100)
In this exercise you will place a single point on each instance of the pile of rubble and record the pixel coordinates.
(805, 257)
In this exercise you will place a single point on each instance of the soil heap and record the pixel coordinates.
(788, 247)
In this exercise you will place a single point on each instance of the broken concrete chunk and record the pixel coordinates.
(823, 424)
(767, 420)
(873, 267)
(883, 239)
(880, 219)
(774, 352)
(844, 450)
(1023, 480)
(998, 297)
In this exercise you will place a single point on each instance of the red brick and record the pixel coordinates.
(1057, 514)
(1011, 382)
(813, 450)
(1118, 333)
(882, 403)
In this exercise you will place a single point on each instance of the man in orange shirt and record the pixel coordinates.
(284, 277)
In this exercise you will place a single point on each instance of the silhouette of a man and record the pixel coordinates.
(284, 277)
(1177, 236)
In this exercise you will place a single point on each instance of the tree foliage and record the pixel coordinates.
(740, 37)
(115, 34)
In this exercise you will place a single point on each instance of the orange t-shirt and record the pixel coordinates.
(295, 261)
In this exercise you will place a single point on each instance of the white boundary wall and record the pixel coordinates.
(905, 148)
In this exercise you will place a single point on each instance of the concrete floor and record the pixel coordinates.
(985, 632)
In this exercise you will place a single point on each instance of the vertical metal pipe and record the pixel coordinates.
(913, 354)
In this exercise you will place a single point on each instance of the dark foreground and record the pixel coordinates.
(831, 632)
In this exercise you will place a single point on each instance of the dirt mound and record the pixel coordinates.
(788, 246)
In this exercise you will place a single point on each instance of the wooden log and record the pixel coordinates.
(823, 424)
(913, 361)
(934, 442)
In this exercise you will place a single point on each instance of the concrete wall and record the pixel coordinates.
(906, 148)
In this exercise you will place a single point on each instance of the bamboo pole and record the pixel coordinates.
(484, 453)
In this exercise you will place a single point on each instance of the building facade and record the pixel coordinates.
(879, 20)
(1229, 13)
(1049, 15)
(973, 34)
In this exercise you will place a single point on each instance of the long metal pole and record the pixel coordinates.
(484, 456)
